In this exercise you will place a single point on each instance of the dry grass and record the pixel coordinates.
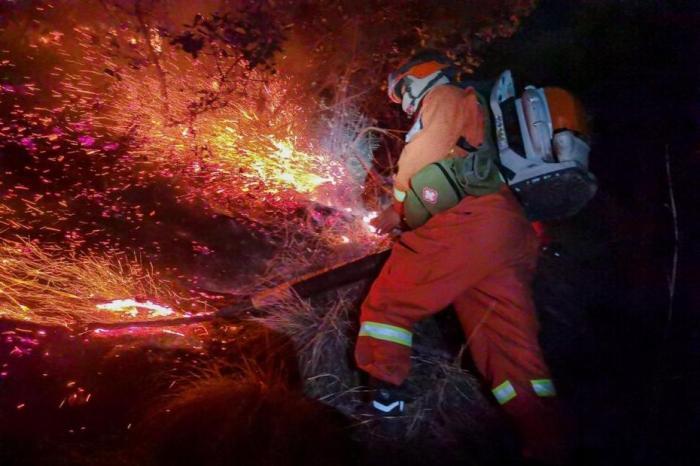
(448, 409)
(448, 414)
(244, 415)
(322, 339)
(50, 286)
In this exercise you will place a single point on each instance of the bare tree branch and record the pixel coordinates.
(153, 55)
(676, 241)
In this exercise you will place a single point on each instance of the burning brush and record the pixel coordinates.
(46, 286)
(233, 137)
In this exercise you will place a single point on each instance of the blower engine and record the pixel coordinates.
(541, 137)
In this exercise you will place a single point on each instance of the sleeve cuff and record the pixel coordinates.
(399, 196)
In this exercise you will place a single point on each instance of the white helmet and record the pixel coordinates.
(413, 79)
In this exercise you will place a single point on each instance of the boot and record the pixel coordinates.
(388, 400)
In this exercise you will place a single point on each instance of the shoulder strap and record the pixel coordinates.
(463, 144)
(478, 171)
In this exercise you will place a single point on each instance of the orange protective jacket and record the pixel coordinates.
(447, 113)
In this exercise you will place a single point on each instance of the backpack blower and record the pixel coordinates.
(542, 149)
(535, 142)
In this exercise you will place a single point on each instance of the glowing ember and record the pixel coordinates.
(131, 306)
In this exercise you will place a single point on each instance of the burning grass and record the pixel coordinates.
(50, 286)
(228, 133)
(223, 133)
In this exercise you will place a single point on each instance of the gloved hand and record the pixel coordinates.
(386, 222)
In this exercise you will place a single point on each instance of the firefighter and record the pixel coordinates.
(479, 256)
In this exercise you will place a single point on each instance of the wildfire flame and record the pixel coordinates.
(48, 285)
(245, 142)
(241, 143)
(131, 307)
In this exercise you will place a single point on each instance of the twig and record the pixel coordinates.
(153, 55)
(676, 243)
(660, 367)
(386, 131)
(370, 169)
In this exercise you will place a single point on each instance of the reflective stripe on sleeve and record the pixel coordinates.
(399, 195)
(543, 387)
(504, 392)
(386, 332)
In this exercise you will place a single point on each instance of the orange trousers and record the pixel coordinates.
(480, 256)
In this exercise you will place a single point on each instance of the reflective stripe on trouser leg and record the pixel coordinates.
(386, 332)
(543, 387)
(504, 392)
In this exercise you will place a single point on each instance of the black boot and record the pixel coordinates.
(387, 400)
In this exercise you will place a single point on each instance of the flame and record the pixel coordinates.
(131, 306)
(255, 152)
(276, 163)
(241, 140)
(49, 285)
